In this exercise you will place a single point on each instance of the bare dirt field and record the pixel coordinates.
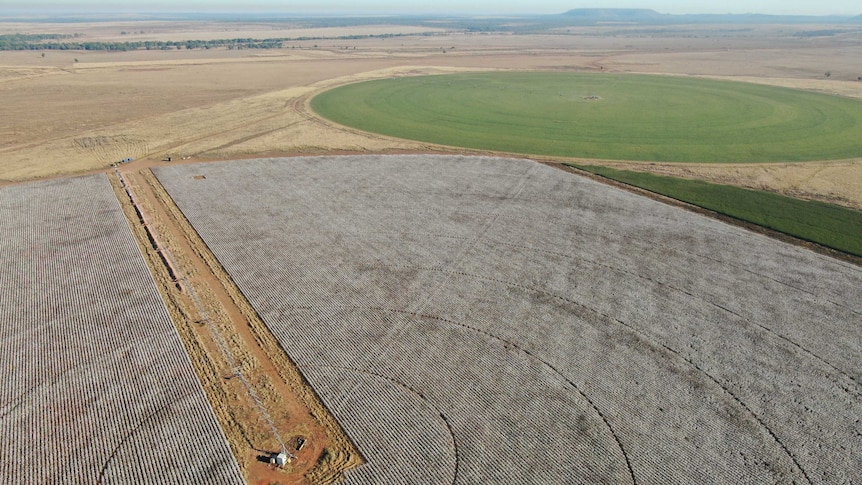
(97, 386)
(479, 320)
(70, 112)
(137, 30)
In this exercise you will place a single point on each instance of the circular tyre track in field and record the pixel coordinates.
(539, 322)
(565, 436)
(413, 439)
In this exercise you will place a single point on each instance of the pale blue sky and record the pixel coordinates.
(792, 7)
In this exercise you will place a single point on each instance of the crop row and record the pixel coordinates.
(555, 324)
(98, 386)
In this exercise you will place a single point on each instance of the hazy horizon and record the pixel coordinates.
(441, 7)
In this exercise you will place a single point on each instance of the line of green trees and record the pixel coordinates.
(15, 42)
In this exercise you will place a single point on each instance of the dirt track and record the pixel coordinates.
(196, 288)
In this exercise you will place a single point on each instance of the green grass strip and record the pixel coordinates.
(826, 224)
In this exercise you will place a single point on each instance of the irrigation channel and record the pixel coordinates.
(262, 403)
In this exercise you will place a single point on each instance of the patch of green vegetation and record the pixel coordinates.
(604, 116)
(30, 37)
(12, 42)
(42, 42)
(826, 224)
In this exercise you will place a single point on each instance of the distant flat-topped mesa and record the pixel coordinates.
(589, 16)
(616, 14)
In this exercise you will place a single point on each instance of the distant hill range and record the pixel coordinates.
(639, 15)
(593, 16)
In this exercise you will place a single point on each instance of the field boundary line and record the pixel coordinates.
(765, 231)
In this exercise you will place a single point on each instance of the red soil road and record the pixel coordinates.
(281, 388)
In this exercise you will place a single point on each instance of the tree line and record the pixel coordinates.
(17, 42)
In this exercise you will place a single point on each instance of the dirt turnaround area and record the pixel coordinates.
(483, 320)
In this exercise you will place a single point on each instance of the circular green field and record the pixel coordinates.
(606, 116)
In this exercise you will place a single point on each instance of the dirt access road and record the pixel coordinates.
(259, 397)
